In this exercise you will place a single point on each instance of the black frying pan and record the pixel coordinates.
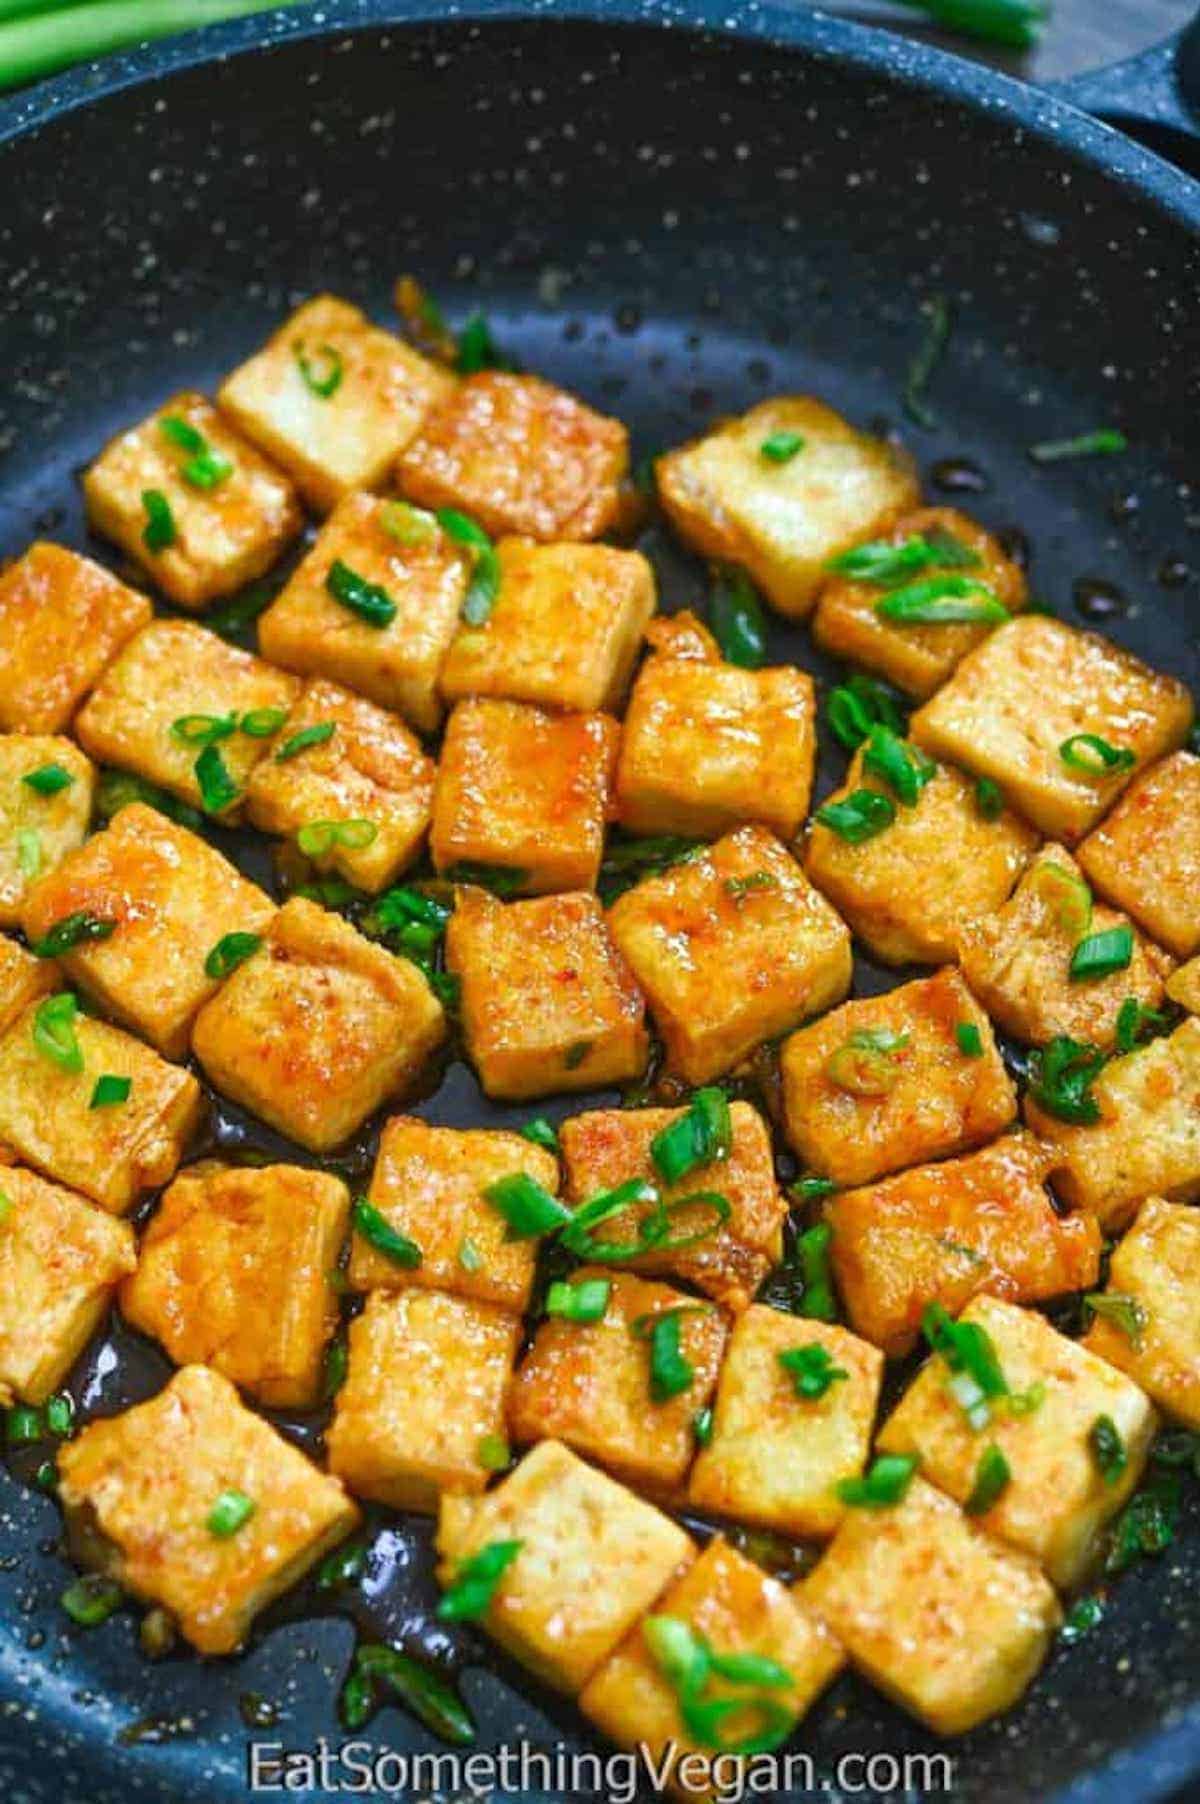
(675, 210)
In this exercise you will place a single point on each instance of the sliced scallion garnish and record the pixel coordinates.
(859, 816)
(370, 601)
(378, 1232)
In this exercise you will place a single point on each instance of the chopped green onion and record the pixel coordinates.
(159, 532)
(218, 791)
(499, 879)
(628, 861)
(751, 884)
(540, 1132)
(409, 526)
(1104, 443)
(584, 1302)
(967, 1350)
(855, 706)
(1146, 1526)
(23, 1427)
(703, 1134)
(230, 951)
(1016, 23)
(1124, 1312)
(29, 851)
(54, 1032)
(653, 1230)
(702, 1426)
(375, 1228)
(1081, 1618)
(812, 1189)
(671, 1372)
(526, 1206)
(493, 1453)
(369, 601)
(318, 734)
(989, 799)
(484, 584)
(993, 1475)
(1134, 1020)
(735, 615)
(885, 1484)
(203, 729)
(885, 565)
(1176, 1448)
(1061, 1079)
(811, 1369)
(325, 383)
(231, 1512)
(477, 1581)
(469, 1256)
(344, 1566)
(1065, 894)
(316, 839)
(78, 929)
(91, 1600)
(1107, 1449)
(1094, 757)
(337, 1364)
(904, 768)
(925, 363)
(48, 779)
(6, 1206)
(60, 1414)
(942, 601)
(859, 817)
(781, 447)
(430, 1699)
(1103, 953)
(205, 468)
(477, 349)
(811, 1254)
(868, 1062)
(970, 1040)
(262, 723)
(687, 1661)
(118, 788)
(110, 1090)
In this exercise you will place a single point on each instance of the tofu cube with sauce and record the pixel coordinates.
(39, 826)
(63, 618)
(23, 979)
(1183, 986)
(1145, 855)
(1151, 1325)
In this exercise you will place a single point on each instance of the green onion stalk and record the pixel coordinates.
(38, 37)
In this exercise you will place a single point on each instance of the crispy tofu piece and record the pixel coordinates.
(1018, 961)
(341, 425)
(38, 831)
(943, 1619)
(236, 1271)
(224, 533)
(732, 948)
(1147, 1140)
(526, 790)
(422, 1409)
(318, 1027)
(855, 1114)
(428, 1184)
(138, 1491)
(172, 898)
(548, 1002)
(1145, 856)
(946, 1233)
(424, 575)
(589, 1384)
(62, 619)
(60, 1262)
(1057, 1502)
(594, 1558)
(111, 1153)
(565, 630)
(519, 456)
(1183, 986)
(607, 1147)
(784, 521)
(372, 769)
(907, 891)
(23, 979)
(1031, 686)
(172, 669)
(1157, 1266)
(917, 659)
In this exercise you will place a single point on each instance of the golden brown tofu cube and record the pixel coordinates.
(594, 1557)
(60, 1261)
(370, 768)
(907, 890)
(23, 979)
(422, 573)
(1183, 986)
(519, 456)
(548, 1002)
(917, 658)
(176, 671)
(1018, 961)
(62, 619)
(422, 1408)
(945, 1621)
(333, 399)
(236, 1271)
(1057, 1502)
(192, 502)
(777, 1456)
(946, 1233)
(894, 1080)
(526, 790)
(565, 630)
(1145, 856)
(1151, 1328)
(38, 829)
(1033, 687)
(140, 1490)
(112, 1151)
(318, 1027)
(607, 1147)
(171, 898)
(732, 948)
(783, 520)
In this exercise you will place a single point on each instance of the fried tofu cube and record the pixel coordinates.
(943, 1619)
(594, 1557)
(422, 1408)
(333, 399)
(732, 948)
(1145, 855)
(171, 897)
(23, 979)
(907, 890)
(236, 1271)
(565, 629)
(526, 790)
(318, 1027)
(198, 536)
(1057, 1502)
(38, 830)
(370, 769)
(139, 1491)
(1156, 1269)
(519, 456)
(173, 670)
(60, 1262)
(783, 520)
(589, 1383)
(1146, 1141)
(62, 619)
(946, 1233)
(422, 573)
(917, 659)
(429, 1184)
(110, 1152)
(548, 1002)
(1183, 986)
(1033, 686)
(1018, 961)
